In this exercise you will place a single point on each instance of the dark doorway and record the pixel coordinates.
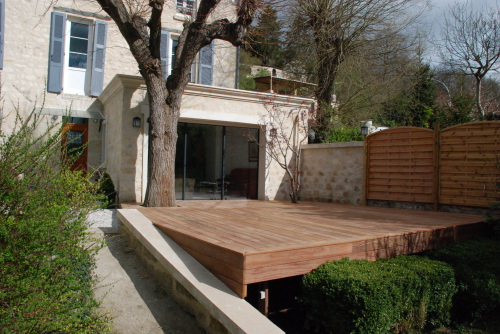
(215, 162)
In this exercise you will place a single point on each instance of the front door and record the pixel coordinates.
(75, 140)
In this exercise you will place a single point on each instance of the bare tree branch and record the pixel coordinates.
(472, 42)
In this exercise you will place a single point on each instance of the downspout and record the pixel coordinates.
(237, 76)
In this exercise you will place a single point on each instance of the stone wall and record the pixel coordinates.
(217, 309)
(167, 282)
(332, 172)
(26, 57)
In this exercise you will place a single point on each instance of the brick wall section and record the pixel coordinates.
(332, 172)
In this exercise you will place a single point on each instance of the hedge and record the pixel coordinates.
(389, 295)
(477, 270)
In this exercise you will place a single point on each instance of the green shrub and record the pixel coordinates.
(343, 135)
(46, 253)
(107, 188)
(477, 271)
(394, 295)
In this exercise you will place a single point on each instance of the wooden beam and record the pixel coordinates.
(365, 172)
(264, 298)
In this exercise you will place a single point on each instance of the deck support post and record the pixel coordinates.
(264, 298)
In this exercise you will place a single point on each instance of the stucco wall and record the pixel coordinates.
(332, 172)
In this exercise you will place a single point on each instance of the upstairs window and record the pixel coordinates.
(186, 6)
(77, 50)
(75, 78)
(168, 52)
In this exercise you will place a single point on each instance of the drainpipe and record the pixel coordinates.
(237, 79)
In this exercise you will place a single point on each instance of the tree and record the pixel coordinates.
(265, 37)
(459, 111)
(338, 28)
(472, 42)
(414, 106)
(140, 25)
(284, 140)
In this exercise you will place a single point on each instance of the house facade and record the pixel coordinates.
(70, 60)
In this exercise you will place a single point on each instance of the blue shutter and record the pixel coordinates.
(98, 60)
(205, 70)
(56, 56)
(2, 25)
(164, 55)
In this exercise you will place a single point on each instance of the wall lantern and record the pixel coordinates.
(364, 130)
(311, 136)
(136, 122)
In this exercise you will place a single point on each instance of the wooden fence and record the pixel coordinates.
(455, 166)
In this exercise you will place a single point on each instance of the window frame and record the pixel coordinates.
(59, 54)
(167, 55)
(186, 7)
(90, 52)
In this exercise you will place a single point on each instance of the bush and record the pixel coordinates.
(477, 271)
(107, 189)
(393, 295)
(46, 254)
(343, 135)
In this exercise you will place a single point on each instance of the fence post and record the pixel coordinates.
(436, 166)
(365, 172)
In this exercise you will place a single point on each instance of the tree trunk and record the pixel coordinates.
(478, 96)
(326, 74)
(162, 144)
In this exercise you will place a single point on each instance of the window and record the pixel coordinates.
(206, 65)
(75, 78)
(185, 6)
(168, 51)
(77, 50)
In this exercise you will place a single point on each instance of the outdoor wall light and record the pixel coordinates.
(364, 130)
(311, 136)
(136, 122)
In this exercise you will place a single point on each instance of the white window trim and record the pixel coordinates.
(172, 38)
(90, 48)
(175, 37)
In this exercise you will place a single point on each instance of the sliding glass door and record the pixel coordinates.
(215, 162)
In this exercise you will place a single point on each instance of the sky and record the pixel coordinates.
(437, 13)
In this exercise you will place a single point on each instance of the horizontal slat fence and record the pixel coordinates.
(455, 166)
(468, 166)
(400, 165)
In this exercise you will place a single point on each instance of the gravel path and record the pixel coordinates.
(128, 293)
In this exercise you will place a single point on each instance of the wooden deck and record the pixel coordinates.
(245, 242)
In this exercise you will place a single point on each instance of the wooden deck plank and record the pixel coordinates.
(244, 242)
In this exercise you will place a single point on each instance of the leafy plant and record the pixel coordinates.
(392, 295)
(477, 271)
(343, 135)
(107, 188)
(46, 253)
